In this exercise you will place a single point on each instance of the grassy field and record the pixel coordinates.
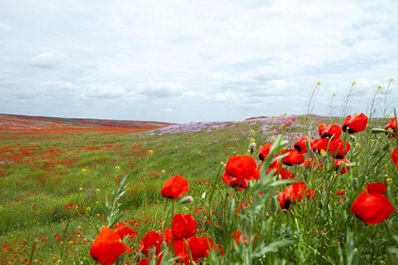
(53, 189)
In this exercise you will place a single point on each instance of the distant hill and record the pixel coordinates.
(20, 123)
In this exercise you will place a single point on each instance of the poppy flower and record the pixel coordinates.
(338, 149)
(151, 240)
(175, 187)
(301, 144)
(294, 193)
(372, 207)
(239, 170)
(293, 157)
(312, 163)
(392, 125)
(355, 123)
(240, 238)
(108, 247)
(168, 236)
(321, 129)
(183, 226)
(394, 157)
(264, 151)
(318, 145)
(342, 165)
(123, 230)
(376, 187)
(329, 131)
(180, 248)
(200, 246)
(280, 171)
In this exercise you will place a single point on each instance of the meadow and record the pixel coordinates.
(57, 186)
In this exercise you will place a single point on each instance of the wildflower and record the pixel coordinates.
(280, 171)
(329, 131)
(376, 187)
(392, 125)
(264, 151)
(150, 152)
(163, 171)
(180, 248)
(123, 230)
(372, 206)
(97, 191)
(301, 144)
(293, 157)
(200, 246)
(151, 240)
(108, 247)
(240, 238)
(394, 157)
(388, 180)
(239, 170)
(117, 168)
(183, 226)
(175, 187)
(294, 193)
(338, 148)
(319, 144)
(355, 123)
(342, 165)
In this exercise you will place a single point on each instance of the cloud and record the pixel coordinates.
(105, 91)
(219, 56)
(47, 60)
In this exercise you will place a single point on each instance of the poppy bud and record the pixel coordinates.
(186, 199)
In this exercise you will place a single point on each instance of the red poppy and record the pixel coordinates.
(293, 157)
(240, 238)
(181, 251)
(183, 226)
(294, 193)
(264, 151)
(329, 131)
(321, 129)
(394, 157)
(355, 123)
(372, 208)
(239, 170)
(168, 236)
(123, 230)
(175, 187)
(301, 144)
(143, 262)
(392, 125)
(151, 240)
(280, 171)
(338, 149)
(342, 165)
(376, 187)
(200, 246)
(108, 247)
(313, 163)
(319, 144)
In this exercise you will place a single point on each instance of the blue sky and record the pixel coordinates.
(184, 61)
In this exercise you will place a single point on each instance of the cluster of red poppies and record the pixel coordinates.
(371, 206)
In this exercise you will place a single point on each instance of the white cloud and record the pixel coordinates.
(219, 54)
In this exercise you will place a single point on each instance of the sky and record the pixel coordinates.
(196, 60)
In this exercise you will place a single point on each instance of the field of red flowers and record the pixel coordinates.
(283, 190)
